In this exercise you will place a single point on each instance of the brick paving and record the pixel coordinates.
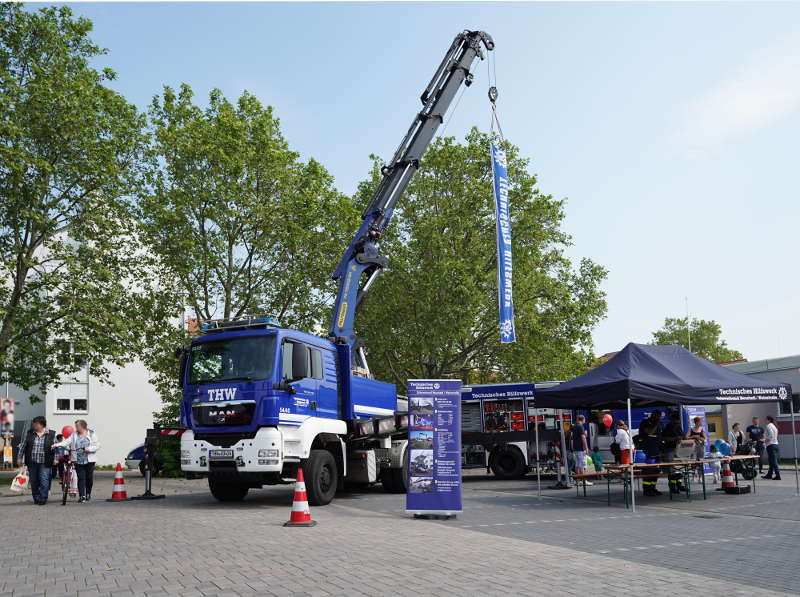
(508, 541)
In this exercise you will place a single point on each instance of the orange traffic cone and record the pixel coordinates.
(120, 494)
(301, 515)
(727, 475)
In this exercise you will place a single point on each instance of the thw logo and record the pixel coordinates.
(221, 394)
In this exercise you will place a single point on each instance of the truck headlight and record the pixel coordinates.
(272, 453)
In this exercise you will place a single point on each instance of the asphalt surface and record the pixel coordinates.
(508, 540)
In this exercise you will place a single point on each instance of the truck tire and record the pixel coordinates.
(321, 477)
(507, 462)
(226, 491)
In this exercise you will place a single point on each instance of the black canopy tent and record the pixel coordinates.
(642, 375)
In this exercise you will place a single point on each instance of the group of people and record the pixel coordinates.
(659, 442)
(42, 450)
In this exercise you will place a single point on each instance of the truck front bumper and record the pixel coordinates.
(260, 454)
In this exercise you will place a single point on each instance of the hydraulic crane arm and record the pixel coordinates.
(362, 262)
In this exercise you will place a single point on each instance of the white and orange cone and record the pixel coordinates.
(120, 494)
(727, 475)
(301, 514)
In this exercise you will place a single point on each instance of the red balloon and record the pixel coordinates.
(66, 431)
(607, 420)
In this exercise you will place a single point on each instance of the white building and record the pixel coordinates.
(119, 413)
(782, 369)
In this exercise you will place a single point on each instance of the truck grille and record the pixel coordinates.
(215, 415)
(223, 440)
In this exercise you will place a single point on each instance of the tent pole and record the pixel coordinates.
(794, 441)
(538, 465)
(631, 451)
(564, 463)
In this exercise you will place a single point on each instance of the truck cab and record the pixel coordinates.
(259, 401)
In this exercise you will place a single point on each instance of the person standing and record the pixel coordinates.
(671, 435)
(83, 445)
(755, 433)
(735, 438)
(623, 438)
(698, 433)
(773, 452)
(650, 429)
(36, 452)
(579, 445)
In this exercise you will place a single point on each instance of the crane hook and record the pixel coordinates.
(493, 94)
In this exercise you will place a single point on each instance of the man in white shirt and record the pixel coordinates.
(773, 453)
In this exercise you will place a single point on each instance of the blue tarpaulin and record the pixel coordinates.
(653, 375)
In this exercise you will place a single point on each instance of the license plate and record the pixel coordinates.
(220, 453)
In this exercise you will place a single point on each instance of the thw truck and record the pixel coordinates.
(260, 401)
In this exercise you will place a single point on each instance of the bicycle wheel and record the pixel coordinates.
(65, 485)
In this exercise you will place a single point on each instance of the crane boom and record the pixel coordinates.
(362, 261)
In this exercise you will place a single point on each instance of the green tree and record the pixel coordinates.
(434, 314)
(706, 338)
(246, 226)
(71, 267)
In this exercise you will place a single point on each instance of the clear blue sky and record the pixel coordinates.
(672, 129)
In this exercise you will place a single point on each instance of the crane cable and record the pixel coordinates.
(494, 125)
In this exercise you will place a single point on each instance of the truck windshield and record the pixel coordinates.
(234, 359)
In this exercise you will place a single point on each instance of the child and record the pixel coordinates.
(597, 460)
(715, 462)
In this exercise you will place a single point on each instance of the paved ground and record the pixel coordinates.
(508, 541)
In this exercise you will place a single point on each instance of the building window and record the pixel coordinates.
(68, 357)
(783, 405)
(72, 405)
(72, 398)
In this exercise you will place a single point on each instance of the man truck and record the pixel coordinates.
(260, 401)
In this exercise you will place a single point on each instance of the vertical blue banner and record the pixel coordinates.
(504, 262)
(434, 447)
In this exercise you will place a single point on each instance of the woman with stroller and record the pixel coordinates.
(83, 446)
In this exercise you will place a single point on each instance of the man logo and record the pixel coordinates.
(782, 393)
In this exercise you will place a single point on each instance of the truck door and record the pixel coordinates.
(323, 368)
(297, 372)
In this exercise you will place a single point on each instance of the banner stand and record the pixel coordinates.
(434, 449)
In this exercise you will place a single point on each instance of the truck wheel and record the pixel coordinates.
(227, 492)
(507, 462)
(321, 478)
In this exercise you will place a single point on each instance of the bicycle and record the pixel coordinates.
(67, 471)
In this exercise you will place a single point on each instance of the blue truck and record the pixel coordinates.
(260, 401)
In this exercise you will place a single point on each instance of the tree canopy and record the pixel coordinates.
(72, 268)
(706, 338)
(434, 314)
(245, 225)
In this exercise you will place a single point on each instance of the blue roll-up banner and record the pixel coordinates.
(689, 413)
(434, 447)
(504, 262)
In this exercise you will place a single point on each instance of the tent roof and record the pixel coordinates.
(653, 375)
